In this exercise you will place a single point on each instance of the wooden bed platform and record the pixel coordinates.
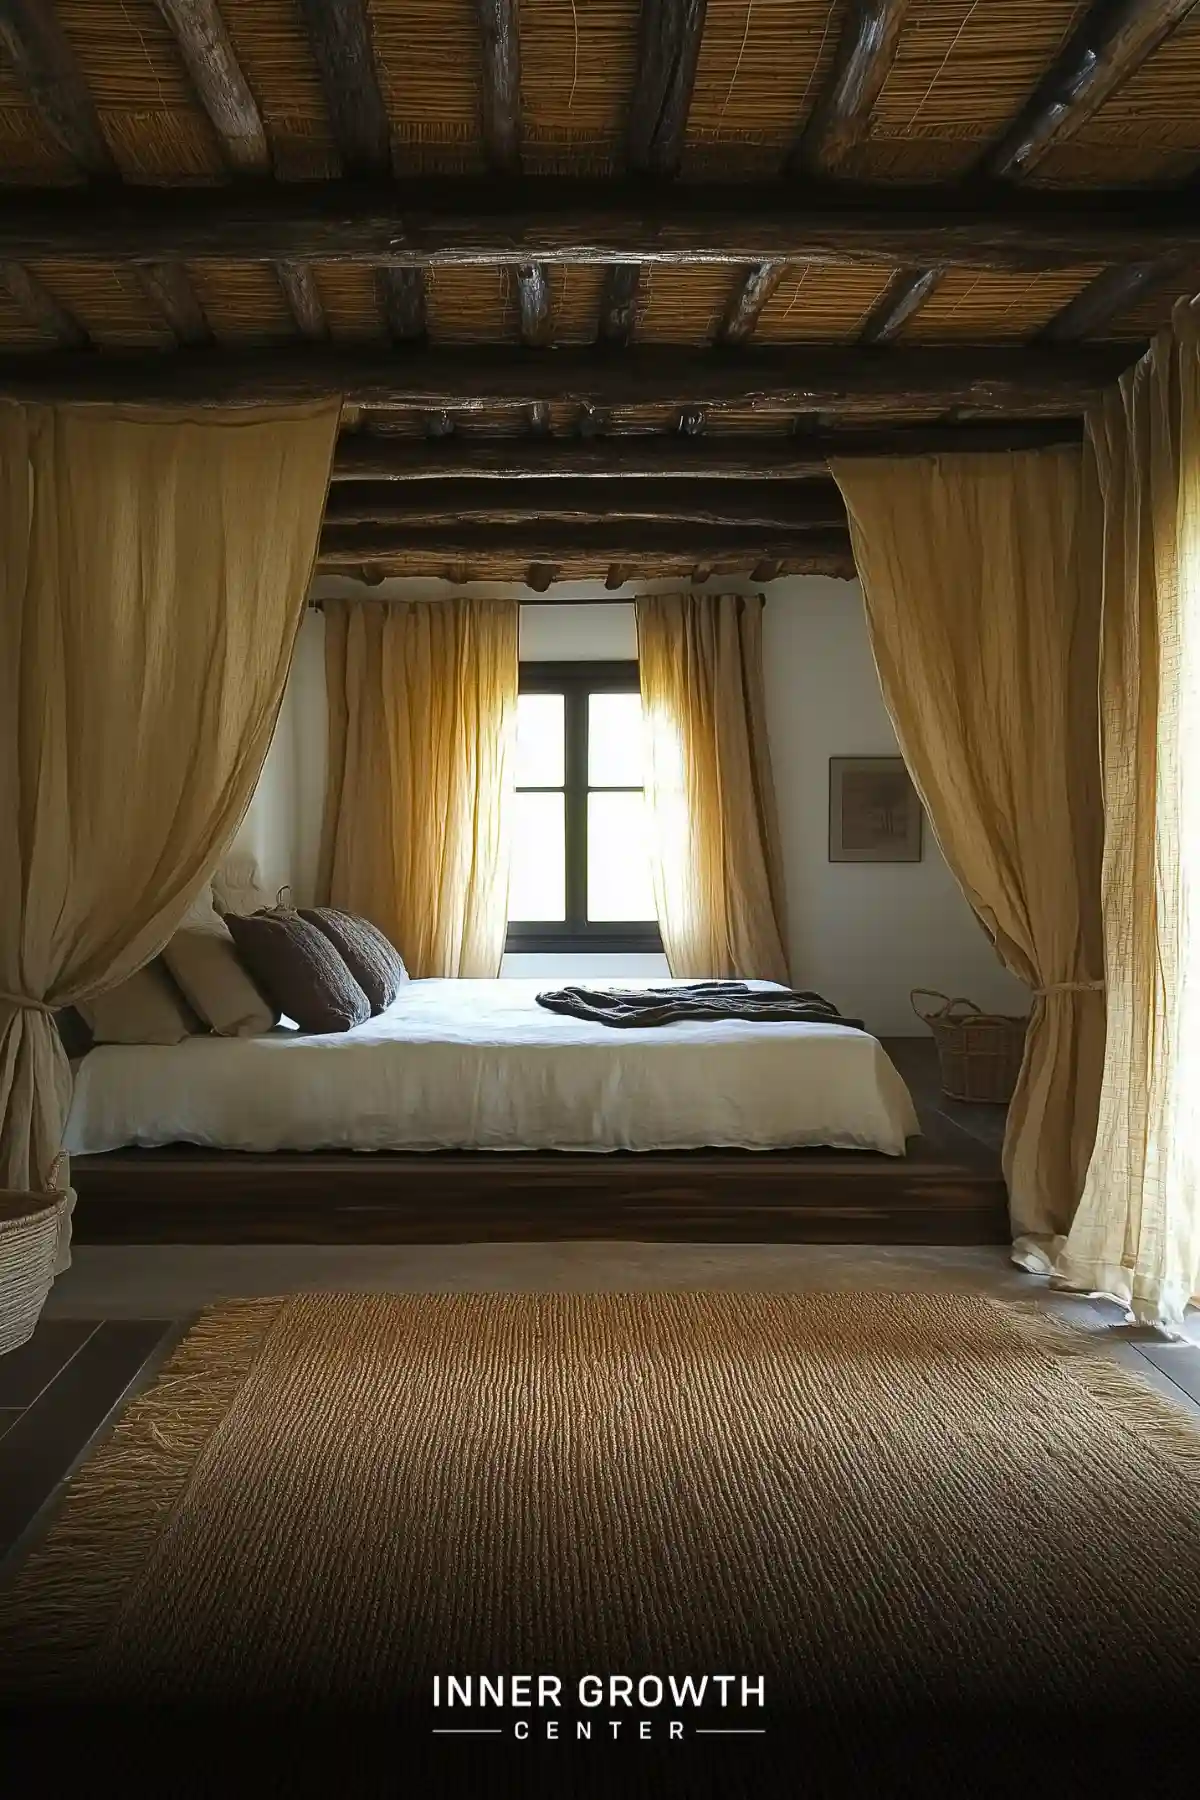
(947, 1190)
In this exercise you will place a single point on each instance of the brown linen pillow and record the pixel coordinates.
(146, 1009)
(299, 970)
(371, 958)
(205, 966)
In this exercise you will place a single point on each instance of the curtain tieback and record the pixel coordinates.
(24, 1003)
(1070, 987)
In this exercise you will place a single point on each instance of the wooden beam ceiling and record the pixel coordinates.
(835, 381)
(588, 500)
(40, 309)
(364, 457)
(47, 68)
(1110, 43)
(552, 219)
(349, 546)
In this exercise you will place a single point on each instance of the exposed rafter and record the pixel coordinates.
(618, 303)
(558, 220)
(540, 576)
(751, 295)
(533, 300)
(169, 287)
(402, 301)
(220, 85)
(1110, 43)
(40, 308)
(836, 380)
(46, 68)
(1109, 295)
(300, 290)
(340, 36)
(348, 546)
(584, 501)
(500, 100)
(363, 457)
(839, 118)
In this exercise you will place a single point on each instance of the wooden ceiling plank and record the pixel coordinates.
(508, 222)
(47, 69)
(1112, 41)
(864, 57)
(39, 306)
(220, 85)
(362, 457)
(833, 379)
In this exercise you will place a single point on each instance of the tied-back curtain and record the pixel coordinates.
(153, 572)
(422, 734)
(714, 834)
(1136, 1234)
(985, 634)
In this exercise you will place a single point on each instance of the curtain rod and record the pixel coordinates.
(376, 599)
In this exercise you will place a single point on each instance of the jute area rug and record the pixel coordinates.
(881, 1507)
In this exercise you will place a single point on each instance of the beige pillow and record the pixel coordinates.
(209, 972)
(146, 1009)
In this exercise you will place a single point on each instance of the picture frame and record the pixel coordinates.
(875, 814)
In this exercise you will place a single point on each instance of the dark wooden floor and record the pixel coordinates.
(947, 1190)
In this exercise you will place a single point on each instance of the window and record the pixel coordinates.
(581, 869)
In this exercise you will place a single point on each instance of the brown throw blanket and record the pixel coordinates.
(693, 1000)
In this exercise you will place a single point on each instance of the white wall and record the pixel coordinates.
(863, 934)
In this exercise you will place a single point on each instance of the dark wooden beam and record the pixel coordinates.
(748, 299)
(865, 54)
(833, 379)
(766, 570)
(1103, 301)
(348, 546)
(1112, 41)
(340, 36)
(500, 98)
(669, 33)
(540, 576)
(616, 576)
(588, 501)
(46, 68)
(41, 309)
(300, 290)
(904, 296)
(618, 303)
(363, 457)
(538, 419)
(692, 421)
(561, 220)
(217, 77)
(594, 420)
(533, 299)
(169, 287)
(401, 295)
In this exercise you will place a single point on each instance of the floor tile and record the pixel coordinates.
(26, 1371)
(39, 1448)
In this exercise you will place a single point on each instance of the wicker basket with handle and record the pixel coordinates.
(979, 1053)
(30, 1228)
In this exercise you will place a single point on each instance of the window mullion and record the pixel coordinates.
(576, 748)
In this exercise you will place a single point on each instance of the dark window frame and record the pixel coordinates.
(575, 681)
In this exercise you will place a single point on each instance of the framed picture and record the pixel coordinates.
(874, 812)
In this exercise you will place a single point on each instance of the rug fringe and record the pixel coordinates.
(1148, 1414)
(55, 1615)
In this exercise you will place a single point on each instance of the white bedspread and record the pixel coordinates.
(479, 1065)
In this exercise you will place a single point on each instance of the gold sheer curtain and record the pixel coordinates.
(153, 571)
(1136, 1234)
(985, 633)
(714, 832)
(422, 734)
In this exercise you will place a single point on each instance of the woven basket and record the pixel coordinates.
(979, 1053)
(31, 1225)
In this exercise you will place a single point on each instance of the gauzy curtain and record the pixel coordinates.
(1136, 1234)
(985, 634)
(714, 832)
(153, 571)
(422, 735)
